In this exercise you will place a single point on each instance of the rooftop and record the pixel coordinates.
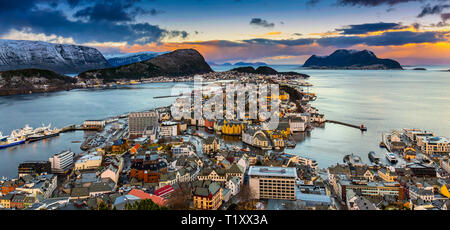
(272, 171)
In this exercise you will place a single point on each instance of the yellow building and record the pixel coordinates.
(232, 128)
(387, 175)
(5, 200)
(409, 153)
(444, 191)
(207, 195)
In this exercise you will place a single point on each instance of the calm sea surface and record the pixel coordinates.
(381, 100)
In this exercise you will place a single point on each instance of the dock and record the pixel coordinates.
(76, 128)
(179, 95)
(362, 127)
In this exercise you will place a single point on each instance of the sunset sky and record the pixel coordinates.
(277, 32)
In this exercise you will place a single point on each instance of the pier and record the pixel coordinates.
(362, 127)
(179, 95)
(79, 127)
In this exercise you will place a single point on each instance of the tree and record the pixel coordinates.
(179, 199)
(146, 204)
(103, 206)
(233, 207)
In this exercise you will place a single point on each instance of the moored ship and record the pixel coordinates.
(42, 133)
(13, 140)
(373, 157)
(391, 157)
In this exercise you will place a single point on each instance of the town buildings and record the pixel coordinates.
(169, 129)
(89, 161)
(94, 124)
(141, 122)
(62, 161)
(272, 182)
(207, 195)
(211, 145)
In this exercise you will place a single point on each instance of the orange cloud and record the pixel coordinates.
(412, 54)
(220, 50)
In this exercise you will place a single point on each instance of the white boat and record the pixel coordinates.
(391, 157)
(3, 138)
(13, 140)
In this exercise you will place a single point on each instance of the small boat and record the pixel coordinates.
(352, 159)
(373, 157)
(245, 150)
(391, 157)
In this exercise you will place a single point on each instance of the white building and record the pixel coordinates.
(424, 194)
(169, 129)
(234, 184)
(297, 124)
(62, 161)
(243, 163)
(272, 182)
(94, 124)
(181, 150)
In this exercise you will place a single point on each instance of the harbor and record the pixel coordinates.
(317, 144)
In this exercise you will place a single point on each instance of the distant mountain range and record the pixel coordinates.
(61, 58)
(351, 59)
(129, 58)
(264, 70)
(239, 64)
(177, 63)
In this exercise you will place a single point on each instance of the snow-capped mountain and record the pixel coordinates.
(61, 58)
(129, 58)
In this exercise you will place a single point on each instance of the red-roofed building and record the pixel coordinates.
(143, 195)
(135, 149)
(164, 191)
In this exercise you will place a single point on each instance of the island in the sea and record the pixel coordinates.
(33, 81)
(265, 70)
(351, 59)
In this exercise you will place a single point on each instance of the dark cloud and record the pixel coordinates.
(445, 17)
(287, 42)
(114, 11)
(369, 27)
(390, 9)
(312, 2)
(105, 11)
(385, 39)
(430, 10)
(100, 21)
(262, 23)
(220, 43)
(155, 12)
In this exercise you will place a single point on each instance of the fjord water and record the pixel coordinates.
(65, 108)
(381, 100)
